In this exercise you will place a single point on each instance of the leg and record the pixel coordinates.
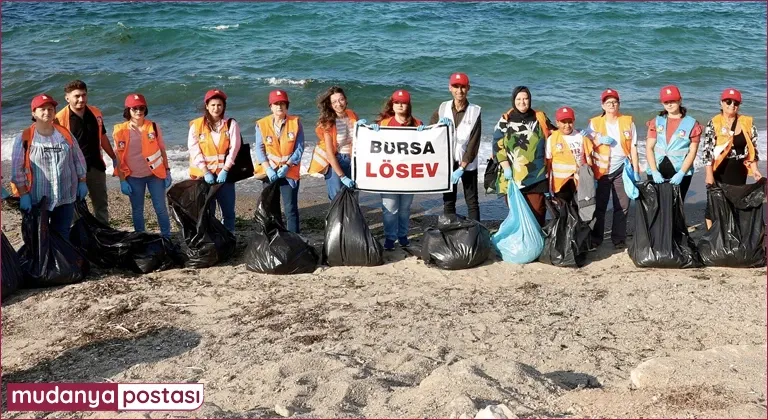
(449, 198)
(332, 183)
(620, 210)
(537, 205)
(290, 204)
(226, 199)
(684, 186)
(61, 219)
(96, 181)
(138, 185)
(469, 180)
(404, 218)
(390, 205)
(567, 191)
(156, 188)
(602, 195)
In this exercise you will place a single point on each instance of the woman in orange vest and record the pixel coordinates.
(278, 148)
(396, 208)
(46, 162)
(213, 143)
(567, 150)
(729, 147)
(335, 131)
(142, 163)
(614, 139)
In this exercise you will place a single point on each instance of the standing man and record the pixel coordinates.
(87, 127)
(464, 118)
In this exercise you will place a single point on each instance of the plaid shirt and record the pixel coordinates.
(56, 168)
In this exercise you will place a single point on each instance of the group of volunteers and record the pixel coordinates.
(59, 155)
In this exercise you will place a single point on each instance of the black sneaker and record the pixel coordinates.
(403, 241)
(620, 245)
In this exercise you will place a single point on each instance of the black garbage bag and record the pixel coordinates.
(273, 249)
(140, 252)
(348, 240)
(47, 259)
(566, 236)
(456, 243)
(489, 178)
(207, 241)
(737, 236)
(11, 269)
(661, 236)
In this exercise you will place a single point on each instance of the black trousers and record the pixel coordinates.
(469, 181)
(667, 170)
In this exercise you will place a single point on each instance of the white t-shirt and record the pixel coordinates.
(617, 152)
(575, 143)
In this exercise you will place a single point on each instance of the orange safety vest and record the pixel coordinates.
(564, 165)
(385, 122)
(26, 139)
(62, 118)
(214, 156)
(724, 139)
(319, 161)
(601, 154)
(279, 150)
(150, 147)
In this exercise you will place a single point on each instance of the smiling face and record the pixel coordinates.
(522, 102)
(45, 113)
(672, 107)
(565, 126)
(459, 92)
(339, 103)
(77, 99)
(400, 108)
(730, 107)
(138, 113)
(215, 107)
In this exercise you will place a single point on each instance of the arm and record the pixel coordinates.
(650, 143)
(473, 145)
(120, 173)
(435, 117)
(298, 148)
(633, 150)
(79, 160)
(234, 145)
(753, 165)
(707, 155)
(260, 151)
(106, 145)
(161, 143)
(18, 172)
(695, 137)
(331, 157)
(193, 144)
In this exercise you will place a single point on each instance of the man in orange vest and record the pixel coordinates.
(86, 124)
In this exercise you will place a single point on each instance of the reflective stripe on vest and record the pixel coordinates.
(564, 165)
(724, 139)
(279, 150)
(26, 138)
(385, 122)
(601, 154)
(213, 155)
(676, 148)
(319, 162)
(462, 131)
(150, 147)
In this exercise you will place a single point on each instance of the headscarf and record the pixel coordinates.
(522, 117)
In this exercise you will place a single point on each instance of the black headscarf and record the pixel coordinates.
(522, 117)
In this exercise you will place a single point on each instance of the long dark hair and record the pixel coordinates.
(208, 118)
(389, 111)
(683, 111)
(327, 117)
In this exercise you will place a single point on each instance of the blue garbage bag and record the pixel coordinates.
(519, 239)
(628, 177)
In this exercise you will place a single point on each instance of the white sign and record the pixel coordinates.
(403, 160)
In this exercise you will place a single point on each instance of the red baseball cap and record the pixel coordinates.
(214, 93)
(401, 96)
(278, 96)
(43, 99)
(731, 93)
(135, 99)
(564, 113)
(670, 93)
(458, 79)
(609, 93)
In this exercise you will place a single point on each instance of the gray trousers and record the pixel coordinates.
(96, 181)
(611, 184)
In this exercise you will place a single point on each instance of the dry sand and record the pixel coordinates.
(403, 339)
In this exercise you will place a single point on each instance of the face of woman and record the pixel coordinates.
(279, 109)
(672, 107)
(215, 107)
(522, 101)
(611, 106)
(339, 103)
(730, 109)
(400, 108)
(137, 113)
(565, 126)
(45, 113)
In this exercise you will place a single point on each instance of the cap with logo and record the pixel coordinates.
(731, 93)
(214, 93)
(43, 99)
(564, 113)
(459, 79)
(135, 99)
(278, 96)
(401, 96)
(670, 93)
(609, 93)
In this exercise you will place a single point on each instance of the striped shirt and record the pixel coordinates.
(56, 168)
(343, 136)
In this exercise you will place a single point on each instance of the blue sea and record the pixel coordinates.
(565, 52)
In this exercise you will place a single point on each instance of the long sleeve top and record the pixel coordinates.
(295, 159)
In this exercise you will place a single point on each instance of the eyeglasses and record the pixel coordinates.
(732, 102)
(611, 103)
(139, 109)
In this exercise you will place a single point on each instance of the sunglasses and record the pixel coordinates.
(139, 109)
(732, 102)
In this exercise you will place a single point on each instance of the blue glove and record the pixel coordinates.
(507, 173)
(6, 194)
(222, 178)
(168, 180)
(375, 127)
(348, 182)
(25, 202)
(606, 140)
(82, 190)
(457, 175)
(361, 122)
(125, 188)
(209, 178)
(271, 174)
(657, 178)
(677, 178)
(281, 171)
(420, 128)
(637, 176)
(445, 120)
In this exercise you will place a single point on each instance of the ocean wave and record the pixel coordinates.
(54, 40)
(221, 27)
(285, 81)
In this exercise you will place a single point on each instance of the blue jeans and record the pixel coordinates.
(396, 213)
(156, 187)
(60, 219)
(332, 181)
(225, 196)
(290, 204)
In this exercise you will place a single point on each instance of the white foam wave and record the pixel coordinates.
(221, 27)
(285, 81)
(54, 40)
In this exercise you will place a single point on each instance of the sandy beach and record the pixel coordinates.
(404, 339)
